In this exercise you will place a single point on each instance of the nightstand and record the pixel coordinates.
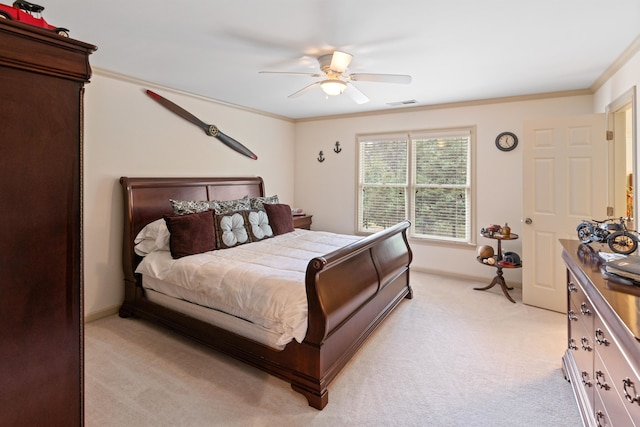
(302, 221)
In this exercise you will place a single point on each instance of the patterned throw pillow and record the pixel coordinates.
(185, 207)
(222, 207)
(258, 202)
(257, 223)
(231, 230)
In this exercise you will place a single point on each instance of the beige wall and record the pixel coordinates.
(128, 134)
(328, 189)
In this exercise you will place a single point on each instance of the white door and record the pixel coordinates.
(565, 181)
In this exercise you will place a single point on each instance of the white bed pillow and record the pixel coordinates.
(153, 237)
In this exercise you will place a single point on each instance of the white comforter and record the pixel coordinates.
(263, 282)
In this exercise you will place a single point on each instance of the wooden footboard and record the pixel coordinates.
(349, 291)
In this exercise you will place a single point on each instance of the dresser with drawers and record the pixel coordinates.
(602, 360)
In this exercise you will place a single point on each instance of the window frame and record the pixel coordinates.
(411, 186)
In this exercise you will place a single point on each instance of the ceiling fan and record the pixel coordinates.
(334, 66)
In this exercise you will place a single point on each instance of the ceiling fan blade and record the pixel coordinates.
(354, 93)
(340, 61)
(304, 90)
(383, 78)
(291, 73)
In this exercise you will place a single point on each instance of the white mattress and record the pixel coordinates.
(262, 282)
(213, 317)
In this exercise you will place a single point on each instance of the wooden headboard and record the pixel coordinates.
(147, 199)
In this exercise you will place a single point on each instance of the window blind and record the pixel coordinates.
(424, 176)
(383, 183)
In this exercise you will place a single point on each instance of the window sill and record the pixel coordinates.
(441, 242)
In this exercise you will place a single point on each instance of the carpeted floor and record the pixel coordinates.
(451, 356)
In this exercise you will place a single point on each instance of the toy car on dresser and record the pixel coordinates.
(29, 13)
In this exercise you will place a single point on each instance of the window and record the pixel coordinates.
(422, 176)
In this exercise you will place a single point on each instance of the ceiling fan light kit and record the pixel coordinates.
(334, 66)
(333, 87)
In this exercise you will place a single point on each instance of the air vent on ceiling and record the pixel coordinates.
(407, 102)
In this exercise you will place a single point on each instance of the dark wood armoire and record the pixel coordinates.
(42, 76)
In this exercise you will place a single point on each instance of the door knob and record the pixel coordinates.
(528, 221)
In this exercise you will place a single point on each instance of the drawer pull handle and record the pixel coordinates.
(628, 383)
(571, 287)
(600, 339)
(584, 310)
(585, 344)
(572, 315)
(572, 344)
(600, 416)
(585, 381)
(603, 384)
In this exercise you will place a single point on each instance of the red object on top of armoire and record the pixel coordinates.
(42, 77)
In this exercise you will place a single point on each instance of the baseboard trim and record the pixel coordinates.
(480, 279)
(100, 314)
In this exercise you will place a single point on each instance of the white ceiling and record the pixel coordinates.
(455, 50)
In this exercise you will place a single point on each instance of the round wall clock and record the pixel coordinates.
(506, 141)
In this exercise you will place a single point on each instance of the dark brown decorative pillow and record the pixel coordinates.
(191, 234)
(280, 218)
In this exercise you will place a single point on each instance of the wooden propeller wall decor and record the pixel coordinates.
(211, 130)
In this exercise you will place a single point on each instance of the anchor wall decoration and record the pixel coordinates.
(337, 149)
(321, 157)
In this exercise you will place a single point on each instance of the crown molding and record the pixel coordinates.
(486, 101)
(147, 84)
(616, 65)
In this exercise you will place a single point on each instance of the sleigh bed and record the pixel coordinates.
(349, 291)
